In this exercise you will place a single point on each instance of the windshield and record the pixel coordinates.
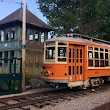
(50, 52)
(55, 52)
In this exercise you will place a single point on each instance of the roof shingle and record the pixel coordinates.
(30, 18)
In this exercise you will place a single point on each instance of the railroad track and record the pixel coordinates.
(43, 98)
(105, 106)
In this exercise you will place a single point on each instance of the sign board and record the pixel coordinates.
(23, 46)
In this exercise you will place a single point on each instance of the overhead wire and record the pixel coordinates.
(19, 2)
(33, 7)
(10, 1)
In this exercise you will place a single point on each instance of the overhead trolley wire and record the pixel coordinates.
(33, 7)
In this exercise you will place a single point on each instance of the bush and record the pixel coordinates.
(28, 76)
(3, 71)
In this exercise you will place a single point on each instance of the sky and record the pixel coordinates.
(9, 6)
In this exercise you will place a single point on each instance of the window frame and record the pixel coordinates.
(91, 50)
(100, 50)
(56, 52)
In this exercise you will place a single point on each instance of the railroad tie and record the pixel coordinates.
(25, 108)
(39, 105)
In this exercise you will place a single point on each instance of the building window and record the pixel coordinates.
(7, 35)
(11, 54)
(42, 37)
(0, 60)
(2, 36)
(0, 55)
(12, 33)
(30, 34)
(36, 37)
(6, 56)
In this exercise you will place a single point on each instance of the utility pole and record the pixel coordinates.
(23, 43)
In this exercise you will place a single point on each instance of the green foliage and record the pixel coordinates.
(3, 71)
(28, 76)
(88, 17)
(57, 14)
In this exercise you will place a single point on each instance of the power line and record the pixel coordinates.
(18, 4)
(33, 7)
(10, 1)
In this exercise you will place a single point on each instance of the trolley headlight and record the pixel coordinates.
(47, 73)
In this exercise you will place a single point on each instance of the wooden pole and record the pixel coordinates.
(23, 43)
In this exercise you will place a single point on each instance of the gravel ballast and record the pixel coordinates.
(85, 102)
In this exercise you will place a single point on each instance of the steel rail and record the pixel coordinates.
(29, 95)
(49, 98)
(105, 106)
(34, 101)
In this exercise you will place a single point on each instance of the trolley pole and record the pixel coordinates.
(23, 43)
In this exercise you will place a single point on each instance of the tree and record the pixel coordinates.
(88, 17)
(61, 14)
(97, 18)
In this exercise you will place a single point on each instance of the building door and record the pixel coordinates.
(75, 63)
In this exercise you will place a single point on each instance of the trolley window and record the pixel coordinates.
(90, 62)
(90, 48)
(62, 43)
(50, 52)
(62, 54)
(101, 49)
(69, 53)
(62, 51)
(51, 43)
(98, 57)
(55, 51)
(101, 56)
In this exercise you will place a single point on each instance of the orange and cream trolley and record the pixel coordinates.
(76, 60)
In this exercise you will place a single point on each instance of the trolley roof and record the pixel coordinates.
(80, 38)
